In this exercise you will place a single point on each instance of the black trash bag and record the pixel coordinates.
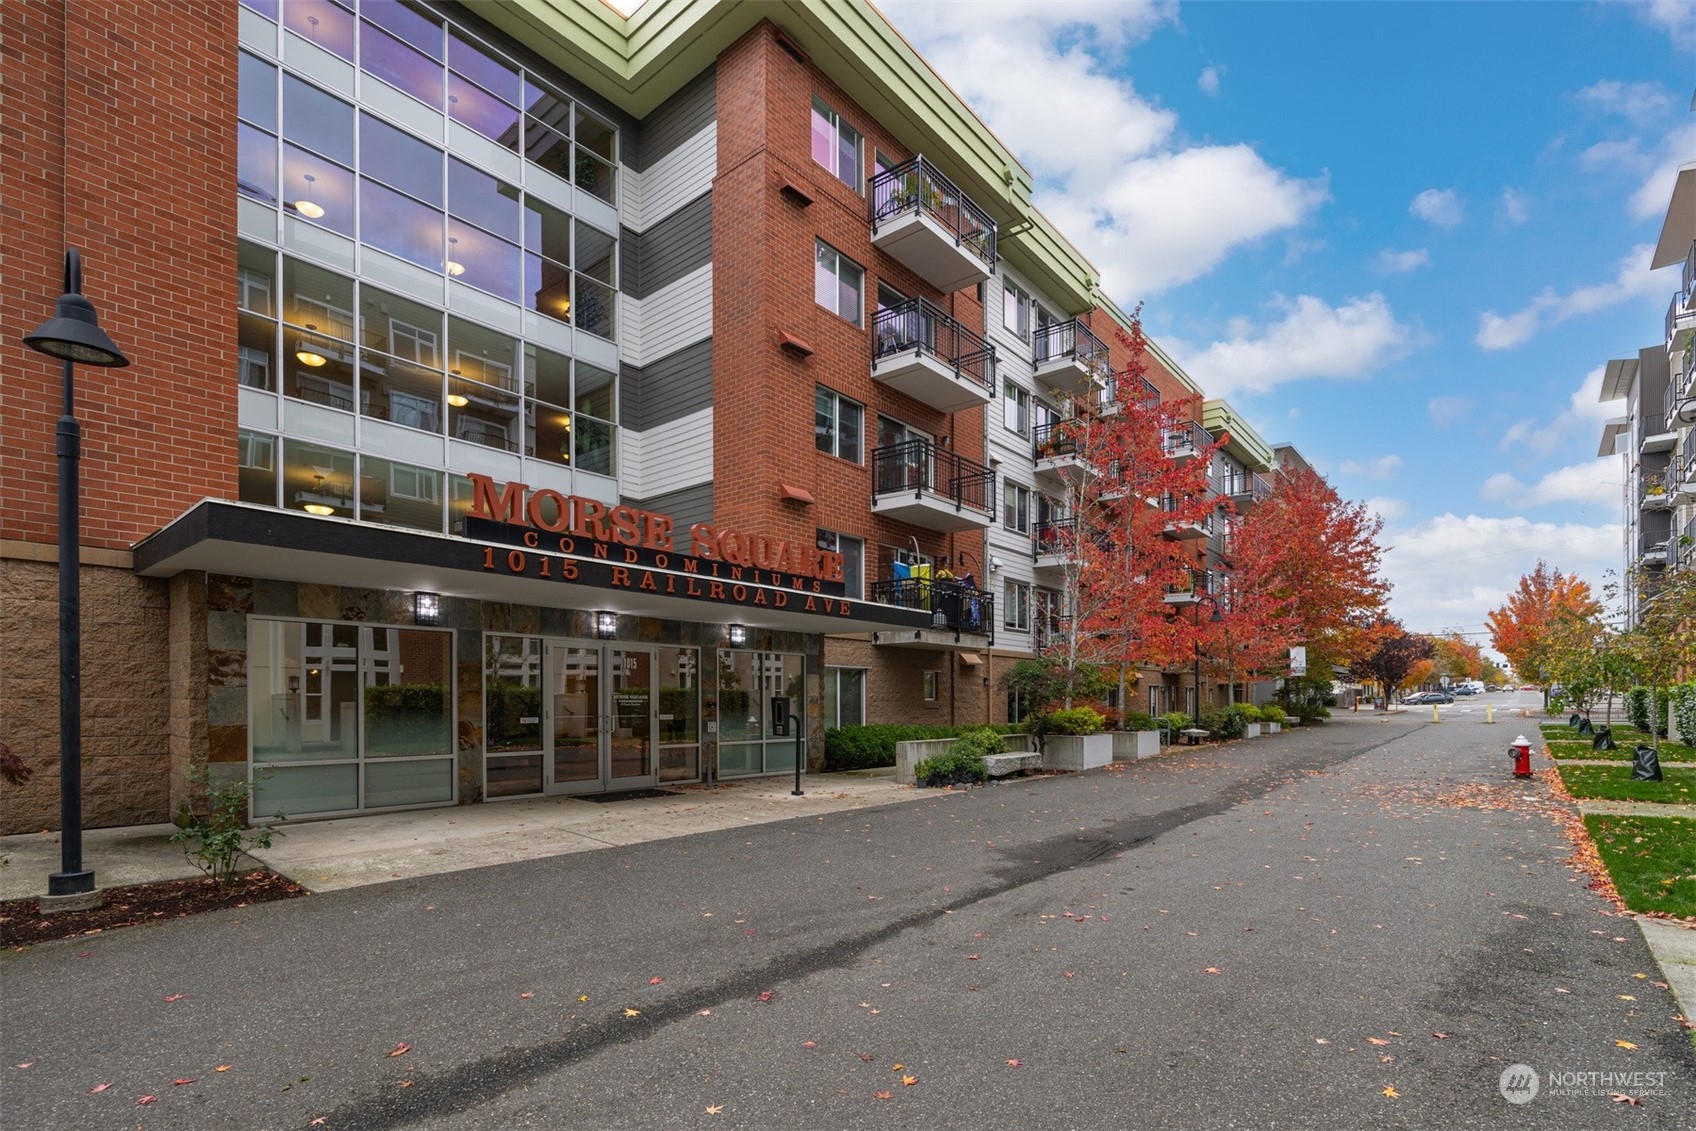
(1646, 764)
(1574, 719)
(1584, 727)
(1603, 739)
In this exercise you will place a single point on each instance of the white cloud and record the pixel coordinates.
(1638, 101)
(1626, 153)
(1650, 199)
(1440, 207)
(1451, 570)
(1678, 17)
(1386, 508)
(1208, 83)
(1516, 206)
(1444, 411)
(1396, 262)
(1579, 423)
(1381, 468)
(1151, 210)
(1313, 339)
(1632, 279)
(1595, 482)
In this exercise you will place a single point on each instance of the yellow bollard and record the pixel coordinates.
(1489, 712)
(1434, 716)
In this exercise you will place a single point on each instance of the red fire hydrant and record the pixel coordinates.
(1521, 757)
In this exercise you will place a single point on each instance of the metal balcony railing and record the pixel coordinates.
(952, 606)
(1189, 440)
(919, 466)
(919, 186)
(1652, 486)
(1689, 278)
(1678, 316)
(916, 326)
(1072, 340)
(1054, 536)
(1200, 585)
(1245, 483)
(1059, 438)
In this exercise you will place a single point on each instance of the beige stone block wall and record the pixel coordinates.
(125, 695)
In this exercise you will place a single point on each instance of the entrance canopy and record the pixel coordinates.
(246, 540)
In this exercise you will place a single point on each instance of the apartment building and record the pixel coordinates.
(527, 399)
(1654, 431)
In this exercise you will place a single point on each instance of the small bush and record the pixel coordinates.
(1136, 720)
(870, 747)
(1177, 720)
(1637, 707)
(980, 740)
(1684, 710)
(962, 765)
(1074, 720)
(1271, 713)
(1310, 713)
(215, 840)
(1225, 722)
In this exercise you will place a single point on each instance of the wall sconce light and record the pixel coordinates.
(738, 635)
(426, 608)
(294, 684)
(606, 625)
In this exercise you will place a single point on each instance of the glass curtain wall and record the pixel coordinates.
(748, 743)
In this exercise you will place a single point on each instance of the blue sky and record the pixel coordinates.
(1405, 237)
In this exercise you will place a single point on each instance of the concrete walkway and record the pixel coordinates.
(1636, 808)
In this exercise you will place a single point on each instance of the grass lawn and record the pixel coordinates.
(1652, 860)
(1613, 783)
(1580, 748)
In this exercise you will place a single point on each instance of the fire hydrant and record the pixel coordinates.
(1521, 757)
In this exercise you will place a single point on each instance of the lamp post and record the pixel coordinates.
(73, 334)
(1214, 619)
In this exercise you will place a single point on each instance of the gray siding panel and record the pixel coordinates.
(668, 389)
(668, 250)
(674, 121)
(686, 506)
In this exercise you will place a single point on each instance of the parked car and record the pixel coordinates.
(1463, 689)
(1422, 697)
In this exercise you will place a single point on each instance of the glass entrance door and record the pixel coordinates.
(601, 718)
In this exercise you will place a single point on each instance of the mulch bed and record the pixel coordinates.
(22, 924)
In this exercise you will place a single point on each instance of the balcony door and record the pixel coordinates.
(602, 716)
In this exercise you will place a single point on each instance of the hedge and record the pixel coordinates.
(870, 747)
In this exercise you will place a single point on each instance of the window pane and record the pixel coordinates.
(548, 433)
(849, 303)
(266, 8)
(848, 418)
(404, 23)
(597, 254)
(399, 326)
(256, 101)
(824, 277)
(824, 421)
(409, 681)
(316, 120)
(595, 309)
(547, 230)
(400, 392)
(400, 160)
(479, 66)
(596, 136)
(547, 287)
(486, 201)
(398, 494)
(400, 66)
(547, 375)
(482, 111)
(851, 697)
(479, 354)
(328, 25)
(824, 137)
(482, 261)
(594, 176)
(317, 477)
(256, 164)
(595, 392)
(318, 190)
(548, 148)
(594, 444)
(256, 461)
(848, 157)
(741, 707)
(400, 225)
(318, 300)
(482, 414)
(256, 349)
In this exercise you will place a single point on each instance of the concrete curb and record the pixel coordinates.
(1674, 948)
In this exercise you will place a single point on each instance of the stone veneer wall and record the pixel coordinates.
(128, 727)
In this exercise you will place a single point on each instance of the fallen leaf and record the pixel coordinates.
(1211, 970)
(1376, 1041)
(175, 997)
(1070, 973)
(223, 1068)
(1625, 1044)
(714, 1109)
(98, 1088)
(583, 997)
(1320, 1041)
(1392, 1093)
(656, 981)
(1392, 1032)
(1560, 990)
(1441, 1036)
(1626, 997)
(1014, 1063)
(765, 995)
(866, 1056)
(400, 1050)
(145, 1100)
(1622, 1098)
(809, 1044)
(704, 1013)
(527, 995)
(182, 1080)
(971, 958)
(884, 1095)
(320, 1121)
(909, 1081)
(403, 1083)
(628, 1012)
(27, 1064)
(896, 1067)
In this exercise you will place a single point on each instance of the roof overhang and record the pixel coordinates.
(1679, 230)
(1241, 441)
(1611, 432)
(1617, 377)
(247, 540)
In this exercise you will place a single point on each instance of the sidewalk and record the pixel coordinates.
(351, 851)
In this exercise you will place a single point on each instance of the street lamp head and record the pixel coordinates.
(74, 333)
(1687, 412)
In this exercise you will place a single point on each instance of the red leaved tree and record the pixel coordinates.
(1524, 629)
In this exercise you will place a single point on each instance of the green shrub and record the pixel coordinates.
(1684, 710)
(1658, 704)
(215, 840)
(1637, 707)
(870, 747)
(1136, 720)
(980, 740)
(962, 765)
(1312, 713)
(1225, 722)
(1271, 713)
(1177, 720)
(1074, 720)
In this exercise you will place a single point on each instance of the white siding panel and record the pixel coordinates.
(674, 455)
(669, 183)
(667, 320)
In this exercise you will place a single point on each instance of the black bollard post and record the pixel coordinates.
(796, 723)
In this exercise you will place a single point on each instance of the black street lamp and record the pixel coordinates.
(1214, 619)
(73, 334)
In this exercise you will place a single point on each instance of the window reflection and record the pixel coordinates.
(327, 25)
(256, 164)
(397, 158)
(316, 120)
(389, 59)
(398, 494)
(317, 479)
(482, 261)
(317, 190)
(400, 225)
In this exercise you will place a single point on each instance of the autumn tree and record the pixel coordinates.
(1660, 648)
(1397, 653)
(1457, 657)
(1524, 629)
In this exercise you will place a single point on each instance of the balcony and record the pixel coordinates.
(922, 352)
(1680, 316)
(1246, 490)
(1184, 530)
(1681, 548)
(1681, 473)
(920, 218)
(1187, 443)
(932, 487)
(1054, 544)
(1200, 585)
(1123, 389)
(1059, 463)
(1071, 360)
(1652, 548)
(956, 612)
(1652, 492)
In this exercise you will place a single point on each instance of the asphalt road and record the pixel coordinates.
(1270, 934)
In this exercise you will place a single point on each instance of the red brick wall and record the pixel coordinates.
(118, 138)
(763, 287)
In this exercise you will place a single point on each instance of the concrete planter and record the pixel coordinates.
(1130, 745)
(1251, 730)
(1272, 728)
(1077, 751)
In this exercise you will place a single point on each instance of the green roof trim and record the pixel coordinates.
(1245, 443)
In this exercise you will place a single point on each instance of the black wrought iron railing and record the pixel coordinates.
(1191, 439)
(916, 326)
(1678, 316)
(921, 468)
(1058, 438)
(1054, 536)
(954, 607)
(1199, 584)
(1245, 485)
(1072, 341)
(918, 186)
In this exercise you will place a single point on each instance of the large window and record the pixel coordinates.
(1016, 311)
(1016, 606)
(837, 145)
(512, 715)
(838, 283)
(844, 697)
(853, 552)
(837, 424)
(1015, 408)
(1016, 508)
(748, 739)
